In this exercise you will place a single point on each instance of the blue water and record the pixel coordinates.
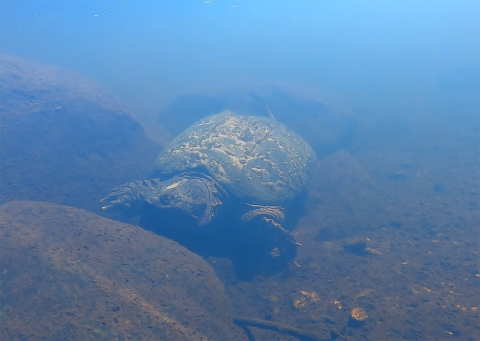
(392, 58)
(386, 92)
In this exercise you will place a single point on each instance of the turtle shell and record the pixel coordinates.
(250, 156)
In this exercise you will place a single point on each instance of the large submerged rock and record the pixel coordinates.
(70, 274)
(343, 201)
(326, 124)
(64, 139)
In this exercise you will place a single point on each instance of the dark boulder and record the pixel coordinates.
(64, 139)
(326, 124)
(343, 201)
(68, 274)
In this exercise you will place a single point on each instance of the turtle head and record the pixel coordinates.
(192, 196)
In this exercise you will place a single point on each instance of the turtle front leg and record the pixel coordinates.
(287, 240)
(272, 216)
(130, 193)
(269, 219)
(275, 212)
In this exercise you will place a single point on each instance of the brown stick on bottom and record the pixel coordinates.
(279, 327)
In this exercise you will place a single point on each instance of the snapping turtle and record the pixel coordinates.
(228, 170)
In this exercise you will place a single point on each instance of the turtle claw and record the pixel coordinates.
(111, 203)
(115, 199)
(128, 194)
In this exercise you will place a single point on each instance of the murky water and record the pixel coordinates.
(387, 95)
